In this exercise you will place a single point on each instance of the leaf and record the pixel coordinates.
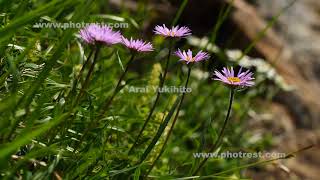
(137, 173)
(180, 10)
(112, 17)
(119, 60)
(134, 23)
(81, 11)
(28, 135)
(14, 25)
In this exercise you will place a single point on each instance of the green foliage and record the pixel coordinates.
(43, 135)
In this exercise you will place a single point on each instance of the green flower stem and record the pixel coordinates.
(108, 102)
(75, 83)
(156, 100)
(87, 80)
(173, 123)
(216, 144)
(160, 130)
(83, 68)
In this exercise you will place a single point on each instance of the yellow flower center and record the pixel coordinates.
(171, 33)
(234, 79)
(191, 59)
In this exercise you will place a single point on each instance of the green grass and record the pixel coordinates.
(43, 134)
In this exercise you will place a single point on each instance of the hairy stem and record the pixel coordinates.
(155, 102)
(88, 77)
(220, 136)
(108, 102)
(76, 81)
(173, 123)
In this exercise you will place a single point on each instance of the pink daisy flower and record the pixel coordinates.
(137, 45)
(242, 79)
(175, 31)
(100, 34)
(187, 56)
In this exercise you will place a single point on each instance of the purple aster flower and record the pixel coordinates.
(137, 45)
(100, 34)
(243, 79)
(187, 56)
(175, 31)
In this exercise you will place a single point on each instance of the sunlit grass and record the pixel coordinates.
(50, 126)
